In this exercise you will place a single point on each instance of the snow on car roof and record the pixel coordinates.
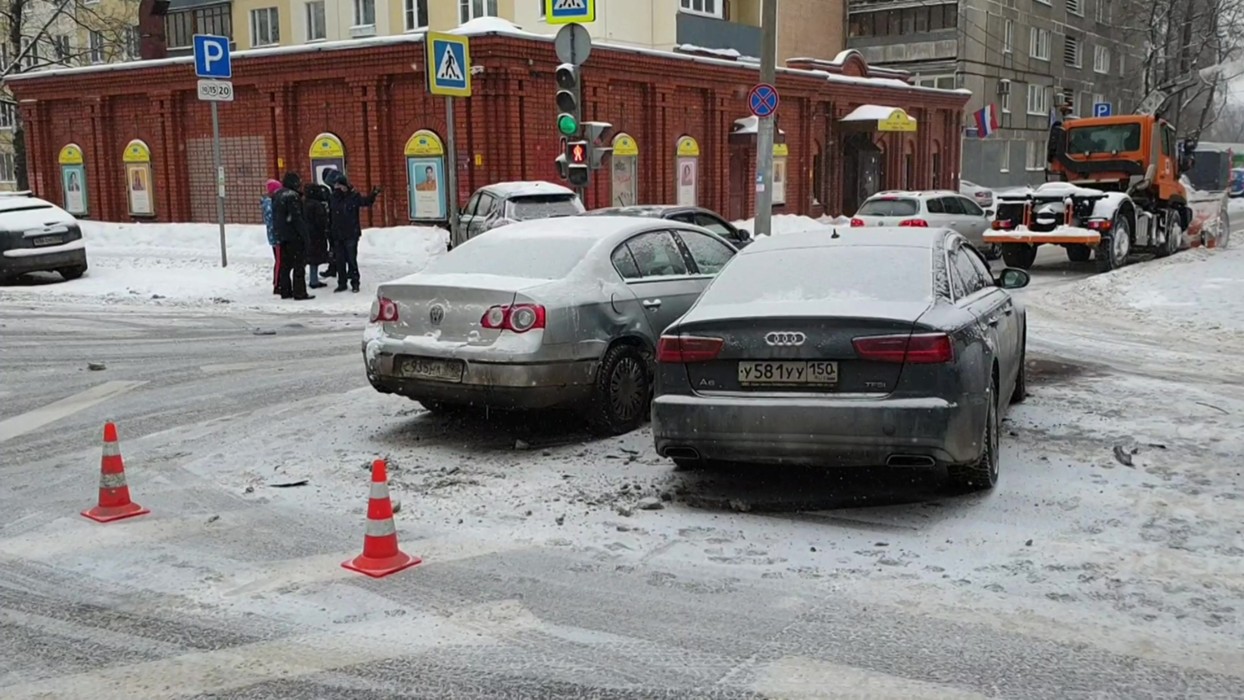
(916, 194)
(8, 203)
(580, 227)
(526, 189)
(891, 236)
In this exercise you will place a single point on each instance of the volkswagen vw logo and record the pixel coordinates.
(785, 339)
(436, 314)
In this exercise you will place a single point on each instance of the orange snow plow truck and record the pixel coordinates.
(1115, 189)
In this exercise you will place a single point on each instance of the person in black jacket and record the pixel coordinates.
(315, 212)
(291, 234)
(344, 214)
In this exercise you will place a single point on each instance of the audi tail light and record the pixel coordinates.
(920, 223)
(857, 222)
(685, 349)
(384, 311)
(917, 348)
(518, 318)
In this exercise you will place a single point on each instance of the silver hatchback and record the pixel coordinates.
(542, 314)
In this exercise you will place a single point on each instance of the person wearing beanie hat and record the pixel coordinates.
(265, 204)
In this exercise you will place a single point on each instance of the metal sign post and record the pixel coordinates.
(764, 104)
(214, 68)
(448, 67)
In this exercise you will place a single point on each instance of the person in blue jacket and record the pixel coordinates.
(266, 206)
(345, 229)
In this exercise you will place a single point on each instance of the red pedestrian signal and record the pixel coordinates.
(578, 153)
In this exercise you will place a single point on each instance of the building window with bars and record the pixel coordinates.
(1071, 51)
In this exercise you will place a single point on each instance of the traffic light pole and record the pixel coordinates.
(451, 170)
(764, 136)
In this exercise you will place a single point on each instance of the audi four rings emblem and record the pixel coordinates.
(783, 339)
(436, 314)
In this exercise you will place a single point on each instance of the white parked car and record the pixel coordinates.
(983, 196)
(935, 209)
(38, 236)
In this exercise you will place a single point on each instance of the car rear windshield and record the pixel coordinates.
(543, 206)
(887, 206)
(527, 257)
(1118, 138)
(876, 273)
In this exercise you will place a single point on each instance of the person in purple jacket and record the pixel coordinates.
(266, 205)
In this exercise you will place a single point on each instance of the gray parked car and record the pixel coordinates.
(558, 312)
(869, 347)
(503, 203)
(704, 218)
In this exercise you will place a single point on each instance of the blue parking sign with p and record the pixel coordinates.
(211, 57)
(1102, 109)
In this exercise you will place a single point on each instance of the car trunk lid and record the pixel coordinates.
(450, 308)
(800, 354)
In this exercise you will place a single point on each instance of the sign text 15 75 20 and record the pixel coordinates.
(216, 90)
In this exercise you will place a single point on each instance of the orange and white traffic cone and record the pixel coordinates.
(381, 555)
(114, 493)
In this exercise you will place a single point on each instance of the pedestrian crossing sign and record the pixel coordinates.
(448, 65)
(567, 11)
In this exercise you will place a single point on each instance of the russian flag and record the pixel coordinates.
(986, 120)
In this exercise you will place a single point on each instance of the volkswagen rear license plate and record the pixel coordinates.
(817, 372)
(46, 240)
(437, 370)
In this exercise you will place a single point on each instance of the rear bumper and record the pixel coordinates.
(493, 384)
(1089, 238)
(830, 432)
(43, 262)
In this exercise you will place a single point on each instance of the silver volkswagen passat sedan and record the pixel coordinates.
(542, 314)
(861, 348)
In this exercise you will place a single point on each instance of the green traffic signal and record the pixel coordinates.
(567, 125)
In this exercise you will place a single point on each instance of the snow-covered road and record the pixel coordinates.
(1108, 563)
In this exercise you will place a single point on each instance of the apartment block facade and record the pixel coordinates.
(811, 28)
(1026, 58)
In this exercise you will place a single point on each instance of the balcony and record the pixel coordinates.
(713, 33)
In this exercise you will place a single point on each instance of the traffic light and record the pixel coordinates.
(568, 106)
(577, 155)
(597, 135)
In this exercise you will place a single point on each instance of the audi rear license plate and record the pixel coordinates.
(46, 240)
(764, 373)
(436, 370)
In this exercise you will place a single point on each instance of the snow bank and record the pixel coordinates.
(179, 265)
(787, 223)
(1194, 292)
(1071, 233)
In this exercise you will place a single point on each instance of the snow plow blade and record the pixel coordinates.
(1211, 226)
(1081, 236)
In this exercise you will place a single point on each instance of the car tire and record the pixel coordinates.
(622, 392)
(1021, 378)
(981, 475)
(1021, 255)
(1174, 235)
(72, 273)
(1079, 253)
(1113, 250)
(993, 252)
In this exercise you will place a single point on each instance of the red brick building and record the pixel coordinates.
(143, 139)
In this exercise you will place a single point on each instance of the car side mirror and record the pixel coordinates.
(744, 234)
(1013, 278)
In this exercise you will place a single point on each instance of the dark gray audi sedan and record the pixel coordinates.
(863, 347)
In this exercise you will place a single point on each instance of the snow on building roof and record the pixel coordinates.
(484, 26)
(869, 113)
(749, 125)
